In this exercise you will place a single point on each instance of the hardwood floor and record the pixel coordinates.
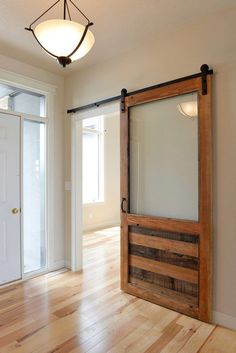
(86, 312)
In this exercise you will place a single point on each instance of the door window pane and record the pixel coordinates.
(34, 205)
(164, 158)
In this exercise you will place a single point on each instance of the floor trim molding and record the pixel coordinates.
(68, 264)
(57, 265)
(224, 320)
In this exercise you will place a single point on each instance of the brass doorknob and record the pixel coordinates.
(15, 210)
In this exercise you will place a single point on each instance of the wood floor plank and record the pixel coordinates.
(108, 338)
(222, 340)
(67, 312)
(182, 338)
(168, 335)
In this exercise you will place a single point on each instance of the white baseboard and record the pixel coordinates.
(224, 320)
(57, 265)
(103, 225)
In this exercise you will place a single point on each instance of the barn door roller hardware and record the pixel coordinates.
(205, 71)
(122, 102)
(203, 74)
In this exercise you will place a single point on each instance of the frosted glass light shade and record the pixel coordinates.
(61, 37)
(188, 109)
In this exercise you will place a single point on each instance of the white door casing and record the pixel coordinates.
(10, 235)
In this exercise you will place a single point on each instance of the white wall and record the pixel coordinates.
(17, 67)
(181, 53)
(107, 213)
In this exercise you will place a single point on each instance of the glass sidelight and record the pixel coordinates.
(34, 196)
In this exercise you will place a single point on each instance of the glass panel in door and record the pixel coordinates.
(164, 158)
(34, 195)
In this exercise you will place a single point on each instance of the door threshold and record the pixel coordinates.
(24, 279)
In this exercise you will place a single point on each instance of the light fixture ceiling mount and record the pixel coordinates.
(63, 39)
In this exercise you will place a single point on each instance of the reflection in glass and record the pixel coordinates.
(189, 109)
(34, 196)
(164, 159)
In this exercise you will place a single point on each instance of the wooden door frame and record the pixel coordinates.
(202, 227)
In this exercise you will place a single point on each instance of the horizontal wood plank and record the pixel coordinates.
(166, 292)
(175, 246)
(184, 274)
(165, 224)
(156, 298)
(172, 90)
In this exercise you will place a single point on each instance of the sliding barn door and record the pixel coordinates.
(166, 196)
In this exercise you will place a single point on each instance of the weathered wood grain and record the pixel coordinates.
(164, 244)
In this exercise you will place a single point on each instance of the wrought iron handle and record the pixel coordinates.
(122, 205)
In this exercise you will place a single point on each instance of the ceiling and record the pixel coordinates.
(119, 25)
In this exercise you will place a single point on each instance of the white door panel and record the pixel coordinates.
(10, 242)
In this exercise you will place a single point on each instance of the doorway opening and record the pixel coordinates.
(101, 250)
(95, 200)
(101, 183)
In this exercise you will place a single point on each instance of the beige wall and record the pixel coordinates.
(210, 41)
(17, 67)
(107, 213)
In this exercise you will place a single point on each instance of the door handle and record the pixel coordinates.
(15, 210)
(122, 205)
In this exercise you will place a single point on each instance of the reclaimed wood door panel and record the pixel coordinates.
(166, 195)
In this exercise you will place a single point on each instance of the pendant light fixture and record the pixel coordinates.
(63, 39)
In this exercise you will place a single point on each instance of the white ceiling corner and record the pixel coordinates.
(118, 26)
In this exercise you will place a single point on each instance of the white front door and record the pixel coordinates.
(10, 240)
